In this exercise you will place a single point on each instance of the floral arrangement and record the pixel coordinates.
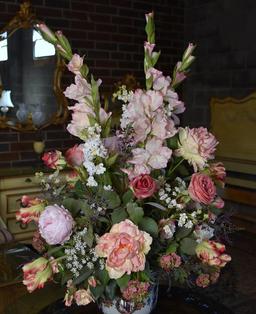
(134, 201)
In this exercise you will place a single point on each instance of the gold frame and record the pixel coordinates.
(25, 18)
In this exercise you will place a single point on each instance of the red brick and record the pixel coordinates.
(9, 156)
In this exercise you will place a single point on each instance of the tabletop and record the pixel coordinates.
(179, 301)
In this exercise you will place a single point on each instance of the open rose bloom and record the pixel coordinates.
(134, 200)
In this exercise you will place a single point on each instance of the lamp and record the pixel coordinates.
(5, 101)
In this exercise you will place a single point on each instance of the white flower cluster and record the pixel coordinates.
(203, 232)
(107, 188)
(184, 221)
(169, 195)
(80, 255)
(125, 118)
(93, 148)
(123, 94)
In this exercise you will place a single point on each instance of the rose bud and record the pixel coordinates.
(143, 186)
(75, 156)
(54, 160)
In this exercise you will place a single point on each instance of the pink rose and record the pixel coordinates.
(83, 297)
(212, 253)
(56, 224)
(202, 189)
(143, 186)
(75, 64)
(54, 160)
(75, 156)
(36, 273)
(170, 261)
(203, 280)
(125, 247)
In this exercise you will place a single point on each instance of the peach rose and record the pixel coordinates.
(125, 247)
(201, 188)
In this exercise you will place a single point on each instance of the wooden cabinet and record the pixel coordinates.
(12, 188)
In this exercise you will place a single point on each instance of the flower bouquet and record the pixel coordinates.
(136, 201)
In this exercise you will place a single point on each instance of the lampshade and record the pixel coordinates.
(5, 101)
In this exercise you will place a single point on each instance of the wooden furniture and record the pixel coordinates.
(13, 185)
(233, 122)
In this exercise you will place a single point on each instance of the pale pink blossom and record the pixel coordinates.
(175, 106)
(162, 127)
(149, 47)
(201, 188)
(197, 146)
(160, 82)
(75, 64)
(104, 116)
(56, 224)
(47, 32)
(125, 247)
(79, 90)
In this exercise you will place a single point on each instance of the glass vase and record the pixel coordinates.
(121, 306)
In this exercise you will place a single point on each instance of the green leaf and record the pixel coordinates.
(103, 276)
(123, 281)
(111, 289)
(111, 160)
(188, 246)
(172, 248)
(107, 127)
(95, 96)
(182, 233)
(85, 273)
(65, 277)
(97, 291)
(172, 142)
(143, 276)
(89, 236)
(111, 198)
(127, 196)
(135, 212)
(118, 215)
(149, 225)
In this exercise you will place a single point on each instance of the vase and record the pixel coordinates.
(121, 306)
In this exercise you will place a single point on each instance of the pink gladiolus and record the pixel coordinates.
(56, 225)
(149, 47)
(160, 82)
(79, 90)
(75, 64)
(212, 253)
(37, 273)
(47, 32)
(125, 247)
(75, 156)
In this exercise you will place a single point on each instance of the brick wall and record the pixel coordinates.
(224, 32)
(111, 34)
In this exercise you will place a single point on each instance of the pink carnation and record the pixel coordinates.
(125, 247)
(197, 146)
(202, 189)
(203, 280)
(170, 261)
(55, 224)
(135, 291)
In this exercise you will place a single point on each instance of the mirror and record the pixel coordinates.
(30, 75)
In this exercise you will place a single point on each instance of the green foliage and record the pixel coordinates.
(149, 225)
(182, 233)
(110, 161)
(172, 247)
(89, 236)
(111, 198)
(180, 275)
(97, 291)
(95, 96)
(85, 273)
(118, 215)
(135, 212)
(111, 289)
(127, 196)
(150, 29)
(173, 142)
(188, 246)
(123, 281)
(103, 276)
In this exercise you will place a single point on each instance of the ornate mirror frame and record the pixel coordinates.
(25, 18)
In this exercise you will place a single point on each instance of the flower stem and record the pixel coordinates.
(175, 167)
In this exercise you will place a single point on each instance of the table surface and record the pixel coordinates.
(177, 302)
